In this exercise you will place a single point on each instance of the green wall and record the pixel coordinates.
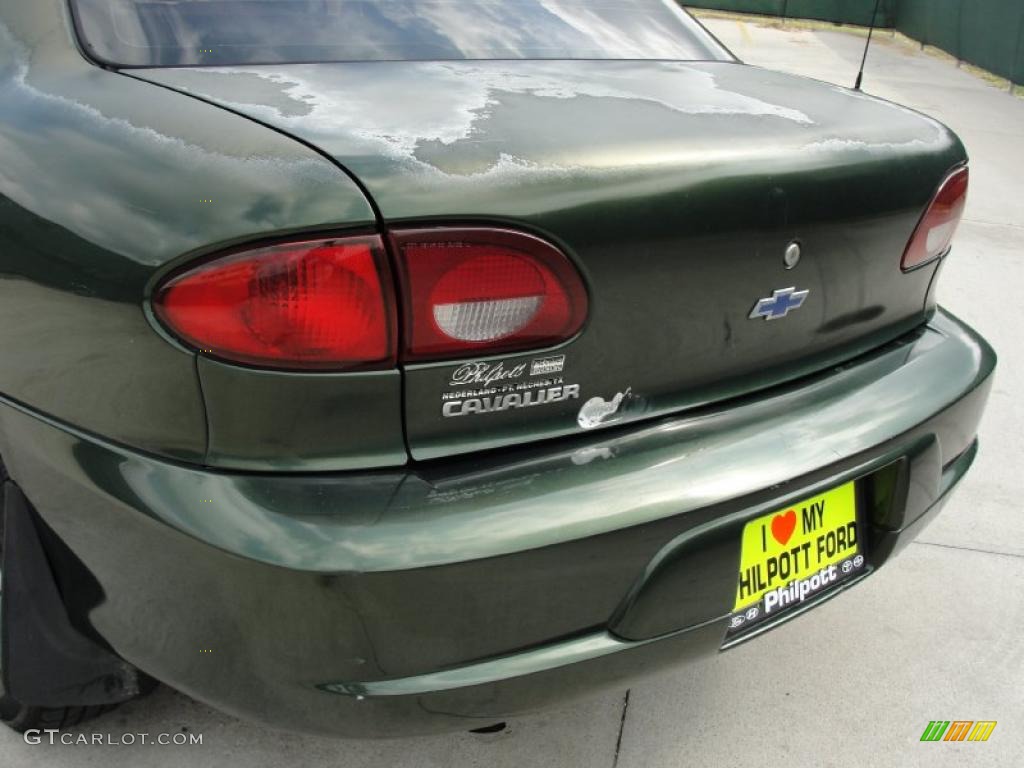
(989, 33)
(845, 11)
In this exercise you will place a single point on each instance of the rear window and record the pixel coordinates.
(140, 33)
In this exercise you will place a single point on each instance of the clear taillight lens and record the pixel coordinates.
(313, 304)
(479, 291)
(935, 231)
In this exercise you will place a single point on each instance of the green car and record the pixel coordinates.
(387, 367)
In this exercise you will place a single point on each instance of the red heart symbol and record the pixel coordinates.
(783, 525)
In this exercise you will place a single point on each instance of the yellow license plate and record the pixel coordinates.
(791, 555)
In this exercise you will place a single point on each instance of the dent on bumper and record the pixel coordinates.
(439, 591)
(595, 645)
(551, 493)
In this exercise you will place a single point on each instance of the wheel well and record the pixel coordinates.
(46, 660)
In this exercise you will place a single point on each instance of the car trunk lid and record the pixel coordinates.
(675, 188)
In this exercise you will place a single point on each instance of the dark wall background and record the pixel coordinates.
(845, 11)
(989, 33)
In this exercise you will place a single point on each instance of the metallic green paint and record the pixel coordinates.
(675, 187)
(497, 504)
(529, 662)
(358, 578)
(451, 592)
(707, 170)
(273, 420)
(102, 187)
(603, 643)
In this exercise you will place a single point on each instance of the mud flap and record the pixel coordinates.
(46, 662)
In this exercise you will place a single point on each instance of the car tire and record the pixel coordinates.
(13, 713)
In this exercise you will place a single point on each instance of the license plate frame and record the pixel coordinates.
(793, 556)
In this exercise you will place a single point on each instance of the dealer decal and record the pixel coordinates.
(790, 556)
(492, 402)
(545, 366)
(497, 387)
(485, 373)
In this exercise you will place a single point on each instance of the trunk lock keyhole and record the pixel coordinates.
(792, 255)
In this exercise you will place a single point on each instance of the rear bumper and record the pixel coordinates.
(451, 594)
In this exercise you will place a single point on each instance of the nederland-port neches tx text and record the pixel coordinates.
(501, 391)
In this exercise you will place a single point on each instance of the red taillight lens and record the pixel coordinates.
(935, 231)
(479, 291)
(317, 304)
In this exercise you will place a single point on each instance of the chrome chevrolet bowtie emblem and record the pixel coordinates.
(781, 302)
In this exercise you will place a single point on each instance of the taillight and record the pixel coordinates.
(935, 231)
(314, 304)
(478, 291)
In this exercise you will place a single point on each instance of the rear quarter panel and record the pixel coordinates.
(105, 183)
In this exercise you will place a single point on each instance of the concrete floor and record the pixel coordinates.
(938, 634)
